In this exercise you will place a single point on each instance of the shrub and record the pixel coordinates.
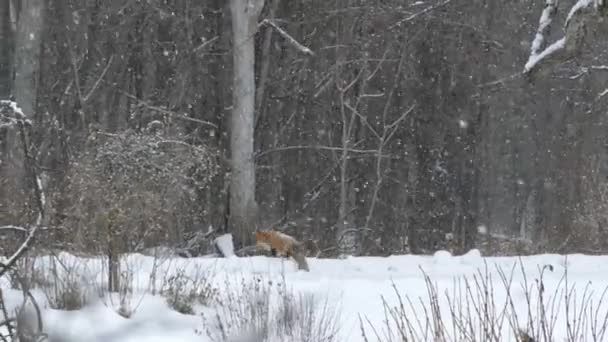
(64, 288)
(133, 189)
(249, 313)
(182, 291)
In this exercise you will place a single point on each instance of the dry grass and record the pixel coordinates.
(183, 291)
(475, 312)
(63, 285)
(266, 311)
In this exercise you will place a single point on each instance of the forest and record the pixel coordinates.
(374, 127)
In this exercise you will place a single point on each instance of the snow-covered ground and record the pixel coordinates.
(354, 287)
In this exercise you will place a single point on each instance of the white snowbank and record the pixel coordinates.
(354, 284)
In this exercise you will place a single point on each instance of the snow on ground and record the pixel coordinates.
(353, 285)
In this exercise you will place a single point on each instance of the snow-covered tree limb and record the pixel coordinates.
(567, 46)
(287, 36)
(544, 27)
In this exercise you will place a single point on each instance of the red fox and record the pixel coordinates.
(275, 242)
(280, 244)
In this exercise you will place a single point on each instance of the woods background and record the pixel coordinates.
(404, 130)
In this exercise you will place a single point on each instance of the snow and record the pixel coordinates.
(579, 5)
(225, 245)
(15, 108)
(354, 286)
(543, 25)
(551, 49)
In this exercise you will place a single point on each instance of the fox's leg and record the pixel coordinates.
(273, 252)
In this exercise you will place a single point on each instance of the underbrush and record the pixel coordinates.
(61, 281)
(182, 291)
(474, 311)
(265, 311)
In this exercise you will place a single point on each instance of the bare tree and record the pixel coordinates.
(243, 207)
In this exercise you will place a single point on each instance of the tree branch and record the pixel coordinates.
(287, 36)
(15, 228)
(96, 84)
(311, 147)
(166, 111)
(567, 46)
(422, 12)
(544, 27)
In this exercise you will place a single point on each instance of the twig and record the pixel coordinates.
(205, 43)
(96, 85)
(417, 14)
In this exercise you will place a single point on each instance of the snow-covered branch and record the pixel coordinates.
(544, 26)
(13, 228)
(287, 36)
(567, 46)
(11, 114)
(4, 267)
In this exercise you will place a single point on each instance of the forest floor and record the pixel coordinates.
(334, 299)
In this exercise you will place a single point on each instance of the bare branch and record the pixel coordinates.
(166, 111)
(401, 118)
(364, 120)
(423, 12)
(75, 69)
(287, 36)
(96, 85)
(204, 44)
(325, 148)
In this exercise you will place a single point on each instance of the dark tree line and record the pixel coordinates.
(379, 126)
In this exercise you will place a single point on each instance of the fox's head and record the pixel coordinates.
(262, 239)
(262, 234)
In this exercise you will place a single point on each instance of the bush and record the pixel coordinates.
(63, 287)
(248, 313)
(137, 189)
(182, 291)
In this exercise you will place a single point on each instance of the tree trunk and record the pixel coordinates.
(6, 49)
(243, 206)
(21, 46)
(27, 53)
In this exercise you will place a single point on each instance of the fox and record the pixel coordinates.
(279, 244)
(282, 245)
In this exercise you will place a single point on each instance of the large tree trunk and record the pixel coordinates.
(27, 53)
(6, 48)
(243, 208)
